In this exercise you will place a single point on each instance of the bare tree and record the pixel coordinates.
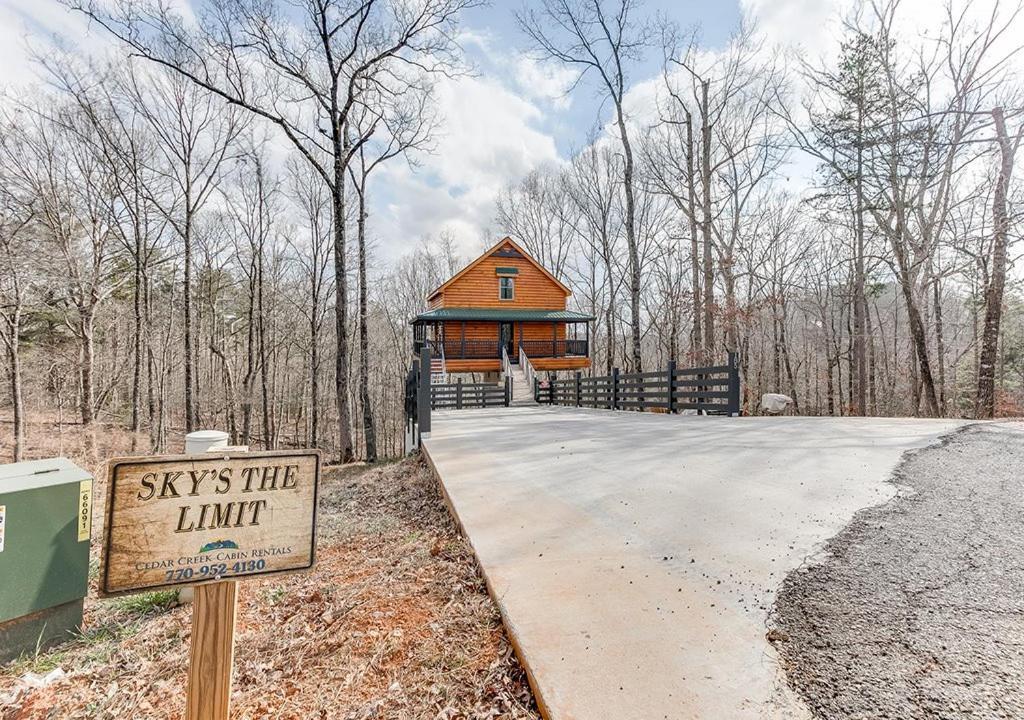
(392, 131)
(600, 37)
(15, 231)
(300, 70)
(986, 397)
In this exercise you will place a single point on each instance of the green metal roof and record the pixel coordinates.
(502, 315)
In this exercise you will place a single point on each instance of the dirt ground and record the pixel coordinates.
(393, 623)
(917, 608)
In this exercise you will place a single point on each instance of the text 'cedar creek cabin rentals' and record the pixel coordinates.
(504, 302)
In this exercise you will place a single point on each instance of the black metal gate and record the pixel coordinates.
(412, 382)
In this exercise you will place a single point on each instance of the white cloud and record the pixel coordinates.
(28, 26)
(489, 137)
(544, 81)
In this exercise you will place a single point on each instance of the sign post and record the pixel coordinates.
(213, 651)
(207, 520)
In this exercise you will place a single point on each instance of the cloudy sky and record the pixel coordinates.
(511, 116)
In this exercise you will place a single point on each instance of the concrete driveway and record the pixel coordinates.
(635, 557)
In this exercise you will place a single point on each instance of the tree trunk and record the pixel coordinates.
(859, 351)
(17, 399)
(189, 352)
(229, 383)
(314, 371)
(369, 431)
(705, 177)
(986, 397)
(940, 347)
(137, 342)
(634, 254)
(696, 341)
(268, 436)
(86, 407)
(345, 453)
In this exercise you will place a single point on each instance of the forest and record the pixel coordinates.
(186, 239)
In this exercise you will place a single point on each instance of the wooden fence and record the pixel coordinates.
(711, 390)
(459, 395)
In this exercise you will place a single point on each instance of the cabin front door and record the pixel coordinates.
(506, 335)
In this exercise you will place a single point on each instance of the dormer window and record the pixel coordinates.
(506, 288)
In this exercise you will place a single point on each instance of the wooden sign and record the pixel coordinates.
(190, 519)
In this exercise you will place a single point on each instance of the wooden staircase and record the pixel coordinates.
(438, 371)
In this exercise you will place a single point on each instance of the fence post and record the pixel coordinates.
(551, 388)
(508, 391)
(412, 379)
(458, 394)
(734, 384)
(423, 398)
(615, 388)
(536, 390)
(671, 406)
(579, 399)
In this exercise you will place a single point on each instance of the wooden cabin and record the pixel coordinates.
(503, 301)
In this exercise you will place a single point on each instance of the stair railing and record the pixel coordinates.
(527, 366)
(506, 364)
(440, 377)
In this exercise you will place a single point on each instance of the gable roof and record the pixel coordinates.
(493, 249)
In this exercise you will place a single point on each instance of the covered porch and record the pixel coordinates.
(473, 339)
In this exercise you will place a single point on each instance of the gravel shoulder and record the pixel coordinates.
(916, 610)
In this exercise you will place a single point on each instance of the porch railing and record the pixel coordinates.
(555, 348)
(459, 349)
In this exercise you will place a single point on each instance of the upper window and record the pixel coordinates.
(506, 288)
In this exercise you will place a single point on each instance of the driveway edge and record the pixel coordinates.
(510, 630)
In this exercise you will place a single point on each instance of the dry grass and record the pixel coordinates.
(394, 622)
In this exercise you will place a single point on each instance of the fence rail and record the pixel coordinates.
(460, 395)
(711, 390)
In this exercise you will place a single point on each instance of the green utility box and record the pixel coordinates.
(45, 525)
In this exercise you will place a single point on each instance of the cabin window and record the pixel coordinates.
(506, 288)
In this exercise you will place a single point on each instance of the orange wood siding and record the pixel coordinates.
(474, 330)
(561, 363)
(540, 331)
(479, 287)
(460, 366)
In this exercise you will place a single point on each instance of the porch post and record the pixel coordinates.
(463, 356)
(554, 339)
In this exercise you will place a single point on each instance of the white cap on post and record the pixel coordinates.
(201, 441)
